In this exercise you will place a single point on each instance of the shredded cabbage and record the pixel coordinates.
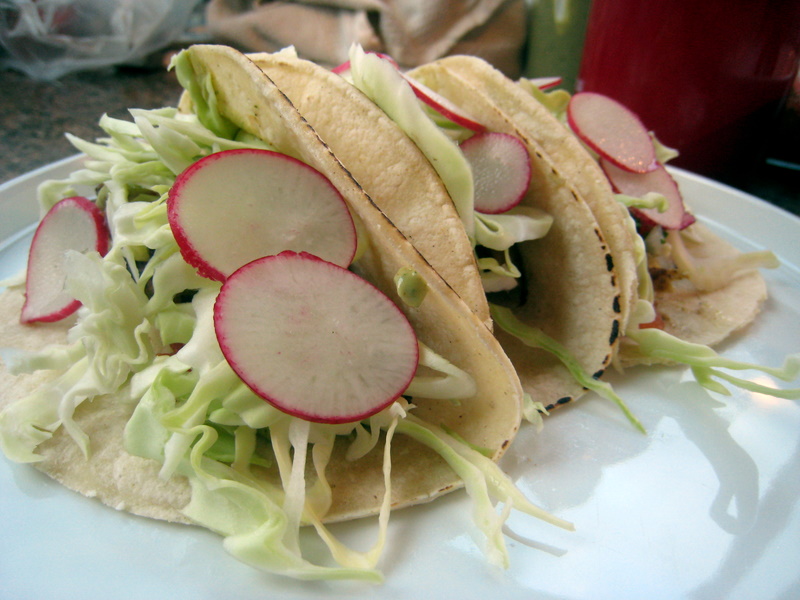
(387, 88)
(536, 338)
(145, 334)
(708, 274)
(704, 362)
(484, 481)
(438, 138)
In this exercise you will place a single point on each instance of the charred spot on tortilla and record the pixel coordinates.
(610, 263)
(572, 192)
(560, 402)
(598, 374)
(616, 306)
(614, 332)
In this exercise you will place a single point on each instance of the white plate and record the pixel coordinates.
(704, 506)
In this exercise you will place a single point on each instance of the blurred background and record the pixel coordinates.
(716, 79)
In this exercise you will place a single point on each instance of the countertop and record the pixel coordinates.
(34, 116)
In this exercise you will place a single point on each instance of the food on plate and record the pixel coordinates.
(258, 347)
(386, 163)
(564, 264)
(682, 288)
(535, 241)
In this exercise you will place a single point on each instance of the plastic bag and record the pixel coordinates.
(48, 38)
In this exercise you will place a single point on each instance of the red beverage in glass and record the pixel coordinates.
(707, 77)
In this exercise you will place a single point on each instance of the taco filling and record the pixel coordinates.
(682, 288)
(516, 220)
(154, 395)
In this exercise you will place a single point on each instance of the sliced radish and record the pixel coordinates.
(344, 68)
(314, 339)
(545, 83)
(74, 223)
(443, 106)
(657, 323)
(611, 130)
(688, 219)
(433, 99)
(640, 184)
(501, 170)
(234, 206)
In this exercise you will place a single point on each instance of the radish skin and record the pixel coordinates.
(74, 223)
(658, 181)
(443, 106)
(234, 206)
(314, 339)
(612, 131)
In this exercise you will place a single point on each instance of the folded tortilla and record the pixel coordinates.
(443, 322)
(387, 164)
(569, 274)
(574, 291)
(701, 316)
(691, 314)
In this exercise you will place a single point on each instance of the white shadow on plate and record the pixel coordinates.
(693, 409)
(580, 441)
(750, 546)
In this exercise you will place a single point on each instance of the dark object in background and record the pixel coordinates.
(708, 77)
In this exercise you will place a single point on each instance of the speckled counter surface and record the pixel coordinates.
(35, 115)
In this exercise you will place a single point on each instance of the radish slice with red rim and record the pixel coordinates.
(436, 101)
(640, 184)
(74, 223)
(443, 106)
(344, 68)
(314, 339)
(612, 130)
(234, 206)
(545, 83)
(501, 170)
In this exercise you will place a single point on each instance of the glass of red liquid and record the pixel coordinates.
(708, 77)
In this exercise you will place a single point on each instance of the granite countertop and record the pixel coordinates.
(35, 115)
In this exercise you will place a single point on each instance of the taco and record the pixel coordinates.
(135, 402)
(682, 288)
(386, 163)
(574, 159)
(568, 285)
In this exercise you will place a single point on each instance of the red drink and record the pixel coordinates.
(708, 77)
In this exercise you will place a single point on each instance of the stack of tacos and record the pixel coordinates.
(572, 287)
(670, 273)
(574, 292)
(600, 287)
(102, 403)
